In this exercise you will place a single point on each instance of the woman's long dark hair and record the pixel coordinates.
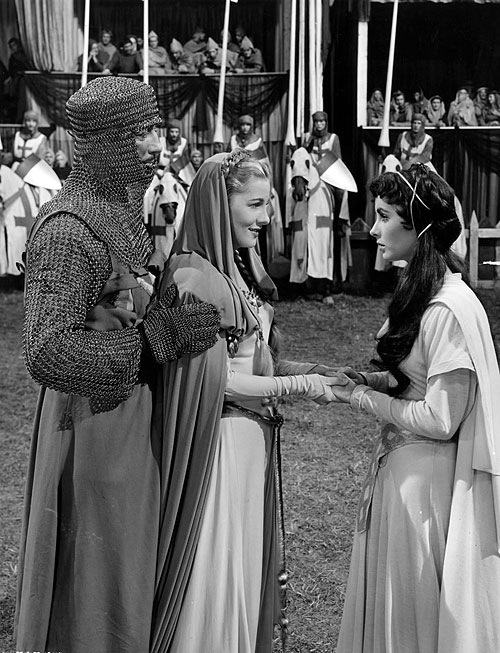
(424, 275)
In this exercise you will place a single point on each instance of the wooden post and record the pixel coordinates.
(384, 134)
(145, 45)
(290, 132)
(473, 249)
(85, 55)
(218, 138)
(362, 73)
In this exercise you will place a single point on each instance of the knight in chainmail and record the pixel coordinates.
(88, 552)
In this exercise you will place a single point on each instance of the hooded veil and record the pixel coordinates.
(191, 390)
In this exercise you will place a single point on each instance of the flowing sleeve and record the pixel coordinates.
(451, 382)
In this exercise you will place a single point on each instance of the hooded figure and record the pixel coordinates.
(89, 538)
(220, 552)
(250, 59)
(157, 55)
(462, 111)
(414, 146)
(179, 61)
(375, 109)
(436, 113)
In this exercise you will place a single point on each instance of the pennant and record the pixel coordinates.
(36, 172)
(334, 171)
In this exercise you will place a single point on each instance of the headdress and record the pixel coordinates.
(246, 120)
(211, 44)
(173, 123)
(320, 115)
(246, 44)
(206, 230)
(414, 196)
(31, 115)
(153, 33)
(107, 185)
(176, 46)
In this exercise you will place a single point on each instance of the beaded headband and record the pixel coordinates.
(415, 195)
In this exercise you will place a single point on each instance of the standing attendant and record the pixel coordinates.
(425, 568)
(219, 554)
(87, 563)
(414, 146)
(28, 140)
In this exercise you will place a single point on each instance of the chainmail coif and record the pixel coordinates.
(107, 184)
(99, 211)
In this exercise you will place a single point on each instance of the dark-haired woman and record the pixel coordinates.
(425, 568)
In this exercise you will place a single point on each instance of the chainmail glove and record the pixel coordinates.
(171, 331)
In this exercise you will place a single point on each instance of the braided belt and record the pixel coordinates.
(276, 421)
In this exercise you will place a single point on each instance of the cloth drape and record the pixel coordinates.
(191, 98)
(50, 32)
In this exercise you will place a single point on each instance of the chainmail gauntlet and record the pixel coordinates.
(171, 331)
(67, 268)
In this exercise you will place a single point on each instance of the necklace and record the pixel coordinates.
(252, 298)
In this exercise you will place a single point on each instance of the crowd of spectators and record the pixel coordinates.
(468, 108)
(201, 54)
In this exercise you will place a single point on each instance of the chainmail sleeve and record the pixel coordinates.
(67, 268)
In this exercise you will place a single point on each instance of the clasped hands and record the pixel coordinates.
(338, 384)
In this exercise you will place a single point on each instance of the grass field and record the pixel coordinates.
(325, 454)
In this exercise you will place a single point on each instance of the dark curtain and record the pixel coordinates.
(257, 95)
(469, 160)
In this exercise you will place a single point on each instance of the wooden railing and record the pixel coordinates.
(476, 234)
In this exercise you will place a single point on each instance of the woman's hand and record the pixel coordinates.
(342, 393)
(106, 317)
(357, 377)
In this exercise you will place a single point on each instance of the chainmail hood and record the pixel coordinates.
(107, 184)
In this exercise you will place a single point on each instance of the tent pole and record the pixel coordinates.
(218, 139)
(85, 55)
(384, 134)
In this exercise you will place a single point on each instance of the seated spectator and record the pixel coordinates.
(436, 112)
(28, 140)
(130, 60)
(157, 55)
(375, 109)
(419, 103)
(462, 112)
(414, 146)
(250, 59)
(239, 35)
(197, 43)
(49, 157)
(400, 110)
(490, 116)
(108, 54)
(93, 65)
(211, 59)
(231, 45)
(480, 102)
(179, 62)
(18, 60)
(61, 165)
(14, 84)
